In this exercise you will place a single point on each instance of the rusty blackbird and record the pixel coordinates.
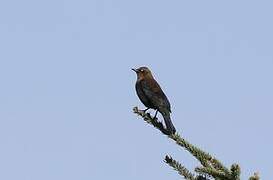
(152, 96)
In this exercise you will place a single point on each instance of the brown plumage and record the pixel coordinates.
(152, 96)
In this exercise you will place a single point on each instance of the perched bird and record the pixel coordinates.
(152, 96)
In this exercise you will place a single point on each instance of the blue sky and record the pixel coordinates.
(67, 91)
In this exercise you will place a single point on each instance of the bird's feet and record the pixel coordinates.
(155, 118)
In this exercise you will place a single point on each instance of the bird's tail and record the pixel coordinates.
(168, 122)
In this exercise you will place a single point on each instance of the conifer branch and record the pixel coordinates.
(211, 167)
(205, 159)
(153, 121)
(255, 176)
(183, 171)
(218, 165)
(235, 171)
(213, 173)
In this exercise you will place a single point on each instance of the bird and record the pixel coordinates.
(152, 96)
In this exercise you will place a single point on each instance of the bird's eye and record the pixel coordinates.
(141, 70)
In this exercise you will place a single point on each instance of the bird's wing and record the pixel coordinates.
(154, 93)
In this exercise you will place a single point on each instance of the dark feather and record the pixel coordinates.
(154, 93)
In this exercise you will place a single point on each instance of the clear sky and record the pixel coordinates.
(67, 91)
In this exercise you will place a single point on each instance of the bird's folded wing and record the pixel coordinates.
(154, 93)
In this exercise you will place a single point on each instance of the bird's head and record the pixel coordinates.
(143, 72)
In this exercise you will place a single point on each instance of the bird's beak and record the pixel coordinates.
(136, 70)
